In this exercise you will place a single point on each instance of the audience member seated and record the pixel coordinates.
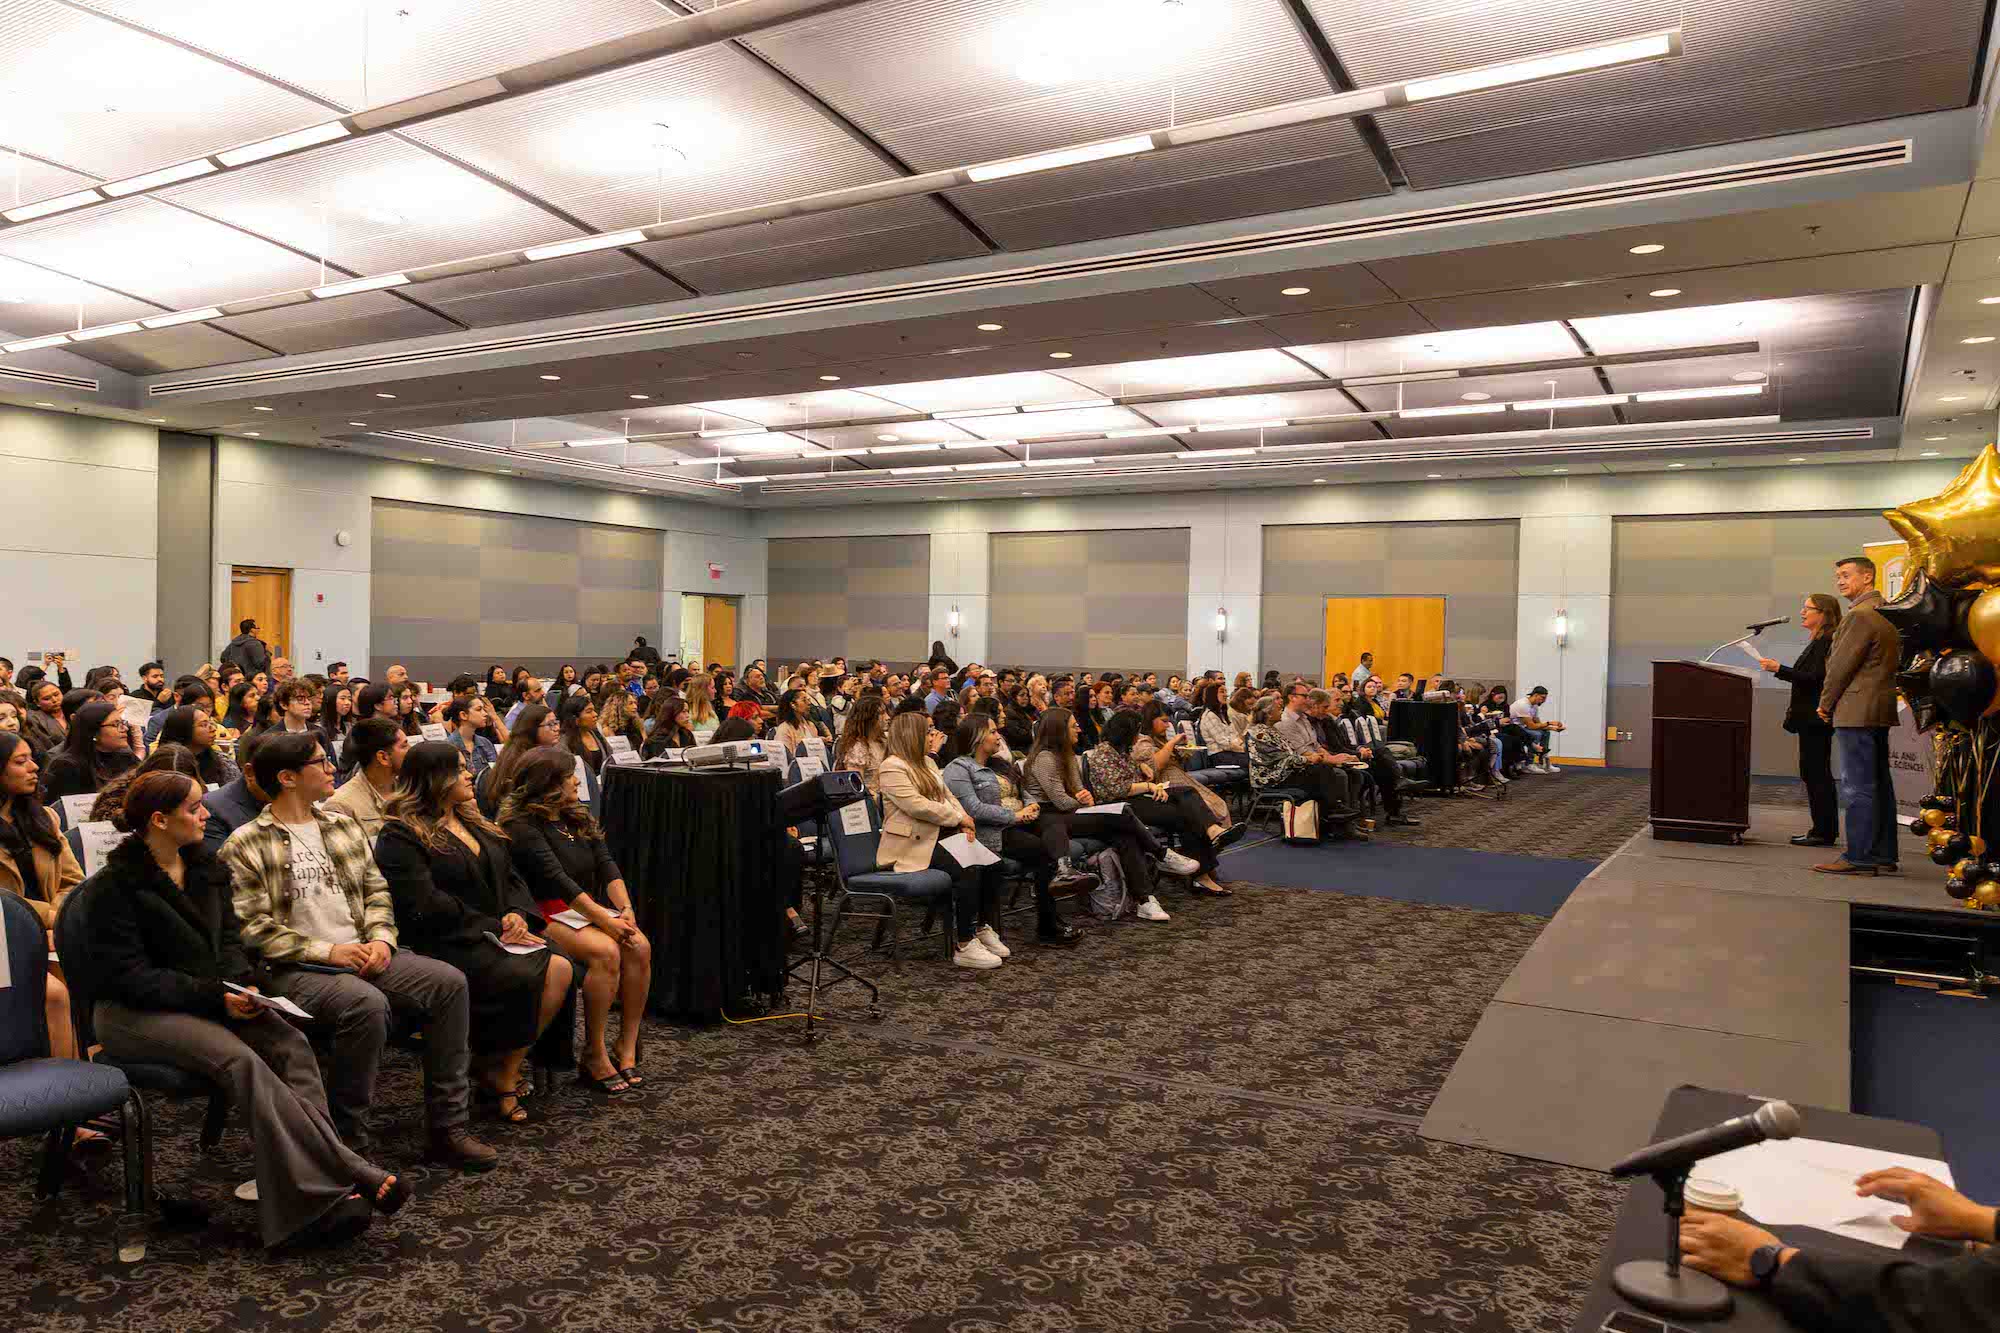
(37, 866)
(1116, 776)
(307, 891)
(240, 715)
(336, 716)
(465, 717)
(167, 757)
(458, 898)
(377, 747)
(561, 854)
(1158, 752)
(1276, 760)
(1527, 715)
(863, 741)
(918, 814)
(295, 710)
(236, 803)
(96, 750)
(734, 729)
(580, 735)
(989, 789)
(1051, 779)
(1220, 725)
(669, 729)
(45, 725)
(1358, 736)
(702, 719)
(527, 690)
(408, 709)
(163, 943)
(13, 709)
(618, 715)
(795, 723)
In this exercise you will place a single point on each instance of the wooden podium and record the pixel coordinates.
(1701, 752)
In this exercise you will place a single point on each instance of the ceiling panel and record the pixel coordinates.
(1225, 370)
(1329, 288)
(573, 285)
(897, 233)
(154, 351)
(364, 53)
(36, 301)
(1750, 69)
(1495, 388)
(318, 325)
(375, 206)
(1495, 345)
(1376, 321)
(802, 409)
(948, 395)
(128, 101)
(1250, 407)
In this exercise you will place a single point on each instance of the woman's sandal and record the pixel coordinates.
(493, 1098)
(1203, 892)
(390, 1195)
(609, 1086)
(633, 1078)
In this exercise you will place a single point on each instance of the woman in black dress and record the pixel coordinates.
(96, 750)
(568, 869)
(1821, 616)
(459, 899)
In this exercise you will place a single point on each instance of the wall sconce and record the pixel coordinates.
(1221, 624)
(1562, 629)
(951, 622)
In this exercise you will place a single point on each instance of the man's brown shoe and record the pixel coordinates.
(456, 1147)
(1844, 868)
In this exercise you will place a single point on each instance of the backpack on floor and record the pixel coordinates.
(1109, 900)
(1301, 823)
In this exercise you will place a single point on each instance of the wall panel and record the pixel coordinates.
(1090, 600)
(858, 597)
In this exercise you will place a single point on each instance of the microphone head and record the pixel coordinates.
(1778, 1120)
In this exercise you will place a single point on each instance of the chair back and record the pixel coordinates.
(855, 853)
(73, 934)
(24, 1022)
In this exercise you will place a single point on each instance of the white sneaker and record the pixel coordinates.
(1550, 768)
(989, 940)
(1176, 864)
(973, 954)
(1501, 779)
(1538, 767)
(1150, 910)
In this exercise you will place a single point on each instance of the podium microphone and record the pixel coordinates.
(1667, 1287)
(1763, 625)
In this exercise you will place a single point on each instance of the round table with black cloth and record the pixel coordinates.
(701, 855)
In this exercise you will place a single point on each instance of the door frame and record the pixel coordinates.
(281, 642)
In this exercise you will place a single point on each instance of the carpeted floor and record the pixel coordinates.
(1578, 814)
(1448, 876)
(1205, 1124)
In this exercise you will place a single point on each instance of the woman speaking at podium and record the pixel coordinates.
(1821, 616)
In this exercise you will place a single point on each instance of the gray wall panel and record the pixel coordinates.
(184, 571)
(1090, 600)
(859, 597)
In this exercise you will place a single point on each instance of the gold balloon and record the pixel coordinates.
(1935, 818)
(1938, 838)
(1982, 623)
(1954, 536)
(1978, 844)
(1987, 896)
(1966, 869)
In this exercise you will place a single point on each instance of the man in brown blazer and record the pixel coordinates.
(1859, 699)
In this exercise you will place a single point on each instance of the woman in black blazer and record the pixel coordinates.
(1821, 616)
(459, 899)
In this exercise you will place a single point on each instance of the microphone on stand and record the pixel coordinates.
(1763, 625)
(1772, 1120)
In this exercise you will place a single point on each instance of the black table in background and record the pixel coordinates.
(700, 855)
(1432, 726)
(1642, 1227)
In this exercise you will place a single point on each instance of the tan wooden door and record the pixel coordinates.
(265, 596)
(1404, 633)
(718, 630)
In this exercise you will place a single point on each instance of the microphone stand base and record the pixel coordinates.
(1691, 1295)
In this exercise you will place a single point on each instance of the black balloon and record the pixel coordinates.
(1962, 684)
(1928, 616)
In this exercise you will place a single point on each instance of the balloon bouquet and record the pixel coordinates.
(1949, 617)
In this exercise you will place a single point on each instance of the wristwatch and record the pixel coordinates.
(1764, 1264)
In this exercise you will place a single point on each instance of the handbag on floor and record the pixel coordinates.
(1301, 820)
(1109, 900)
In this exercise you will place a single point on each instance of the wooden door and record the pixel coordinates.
(265, 596)
(1404, 633)
(718, 630)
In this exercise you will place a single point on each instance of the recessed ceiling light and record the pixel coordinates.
(1983, 338)
(427, 460)
(991, 328)
(385, 395)
(830, 379)
(1932, 439)
(357, 423)
(1928, 453)
(1748, 376)
(1952, 398)
(1989, 300)
(640, 397)
(1677, 465)
(1475, 396)
(1295, 291)
(506, 472)
(1060, 356)
(1434, 475)
(157, 421)
(1319, 481)
(44, 404)
(263, 409)
(253, 432)
(551, 377)
(888, 439)
(1665, 291)
(1647, 249)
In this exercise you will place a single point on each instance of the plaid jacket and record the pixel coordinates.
(259, 857)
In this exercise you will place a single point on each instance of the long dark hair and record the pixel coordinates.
(572, 723)
(369, 702)
(1052, 735)
(330, 720)
(233, 716)
(178, 729)
(80, 745)
(1209, 700)
(965, 738)
(167, 757)
(863, 720)
(1120, 730)
(26, 826)
(538, 793)
(429, 771)
(669, 731)
(155, 794)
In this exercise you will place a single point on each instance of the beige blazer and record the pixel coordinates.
(912, 821)
(58, 872)
(359, 801)
(1860, 689)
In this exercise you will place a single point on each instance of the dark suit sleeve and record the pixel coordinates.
(1818, 1292)
(131, 977)
(1809, 670)
(537, 863)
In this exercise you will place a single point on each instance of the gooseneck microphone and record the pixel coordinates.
(1763, 625)
(1772, 1120)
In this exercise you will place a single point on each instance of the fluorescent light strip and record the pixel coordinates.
(907, 449)
(910, 471)
(1401, 377)
(61, 203)
(1143, 432)
(1588, 400)
(182, 317)
(1272, 424)
(1058, 462)
(1652, 46)
(1007, 466)
(33, 344)
(1072, 405)
(1061, 157)
(180, 171)
(1220, 453)
(974, 413)
(1468, 410)
(1676, 395)
(104, 331)
(283, 143)
(354, 285)
(583, 245)
(730, 432)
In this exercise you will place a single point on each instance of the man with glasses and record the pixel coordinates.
(307, 891)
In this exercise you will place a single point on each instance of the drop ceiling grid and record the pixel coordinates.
(1749, 69)
(896, 233)
(400, 51)
(323, 198)
(123, 101)
(23, 179)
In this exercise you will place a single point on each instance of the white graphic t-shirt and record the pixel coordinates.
(319, 907)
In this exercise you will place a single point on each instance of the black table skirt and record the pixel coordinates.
(700, 852)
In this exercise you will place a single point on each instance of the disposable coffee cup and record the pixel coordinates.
(1716, 1196)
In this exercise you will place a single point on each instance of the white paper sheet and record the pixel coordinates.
(98, 838)
(76, 809)
(854, 818)
(572, 918)
(619, 750)
(1751, 651)
(278, 1002)
(966, 853)
(136, 709)
(1113, 808)
(1810, 1182)
(816, 749)
(809, 767)
(433, 731)
(536, 947)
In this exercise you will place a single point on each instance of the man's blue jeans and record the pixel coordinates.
(1867, 795)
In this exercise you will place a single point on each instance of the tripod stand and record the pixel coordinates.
(820, 960)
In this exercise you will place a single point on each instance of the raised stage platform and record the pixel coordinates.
(1673, 963)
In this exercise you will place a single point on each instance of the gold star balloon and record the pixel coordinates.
(1954, 536)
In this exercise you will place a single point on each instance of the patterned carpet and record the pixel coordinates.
(1579, 813)
(1199, 1125)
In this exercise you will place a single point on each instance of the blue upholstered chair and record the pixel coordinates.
(854, 864)
(40, 1094)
